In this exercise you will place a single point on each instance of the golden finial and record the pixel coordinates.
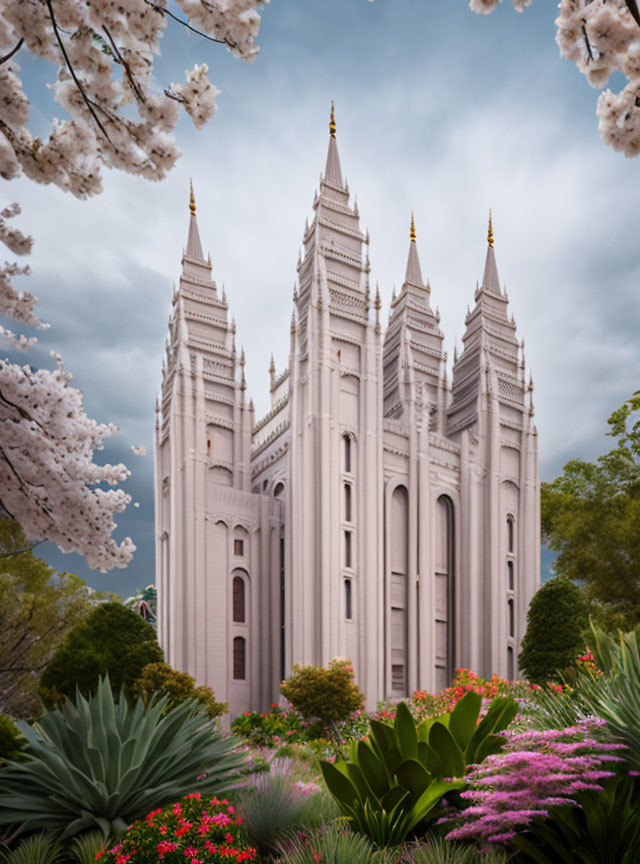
(412, 232)
(490, 234)
(192, 200)
(332, 122)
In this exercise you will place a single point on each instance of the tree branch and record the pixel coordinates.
(184, 23)
(632, 6)
(72, 72)
(12, 52)
(126, 67)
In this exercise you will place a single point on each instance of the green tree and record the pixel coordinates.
(556, 621)
(160, 679)
(38, 608)
(329, 695)
(591, 517)
(112, 641)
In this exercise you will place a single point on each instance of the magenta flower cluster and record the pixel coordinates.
(536, 771)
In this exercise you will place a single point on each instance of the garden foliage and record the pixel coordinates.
(159, 679)
(102, 763)
(197, 828)
(112, 641)
(329, 695)
(556, 621)
(396, 778)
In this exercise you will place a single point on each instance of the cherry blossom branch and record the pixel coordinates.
(14, 50)
(126, 67)
(186, 24)
(69, 66)
(632, 6)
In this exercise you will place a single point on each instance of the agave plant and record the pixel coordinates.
(396, 778)
(102, 763)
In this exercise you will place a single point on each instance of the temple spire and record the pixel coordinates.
(414, 272)
(490, 280)
(333, 172)
(194, 246)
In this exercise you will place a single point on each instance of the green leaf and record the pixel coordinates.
(501, 712)
(451, 756)
(339, 785)
(406, 733)
(385, 740)
(413, 777)
(464, 718)
(373, 770)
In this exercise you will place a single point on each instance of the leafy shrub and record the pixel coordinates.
(426, 704)
(337, 845)
(274, 727)
(37, 849)
(160, 679)
(276, 808)
(329, 695)
(84, 848)
(556, 621)
(12, 743)
(197, 828)
(112, 641)
(395, 779)
(101, 763)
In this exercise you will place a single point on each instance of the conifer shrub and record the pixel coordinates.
(159, 679)
(556, 622)
(330, 695)
(112, 641)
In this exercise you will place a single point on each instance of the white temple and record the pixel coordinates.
(378, 511)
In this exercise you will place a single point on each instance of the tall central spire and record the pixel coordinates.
(414, 271)
(490, 280)
(194, 246)
(333, 173)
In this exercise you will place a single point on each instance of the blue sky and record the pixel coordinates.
(438, 110)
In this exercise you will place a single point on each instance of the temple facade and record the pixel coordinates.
(381, 510)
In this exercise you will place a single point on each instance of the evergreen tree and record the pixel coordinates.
(556, 621)
(113, 641)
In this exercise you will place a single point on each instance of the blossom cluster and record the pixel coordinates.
(601, 37)
(195, 830)
(536, 771)
(104, 55)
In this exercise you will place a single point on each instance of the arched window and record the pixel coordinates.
(510, 537)
(348, 549)
(445, 592)
(511, 618)
(398, 590)
(510, 664)
(510, 576)
(239, 658)
(348, 599)
(239, 613)
(347, 453)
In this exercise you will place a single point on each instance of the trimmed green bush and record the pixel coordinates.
(112, 641)
(160, 679)
(556, 622)
(330, 695)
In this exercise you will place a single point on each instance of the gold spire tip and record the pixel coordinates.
(490, 233)
(412, 231)
(332, 122)
(192, 200)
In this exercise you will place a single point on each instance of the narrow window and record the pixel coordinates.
(347, 549)
(239, 615)
(347, 502)
(510, 579)
(348, 599)
(347, 454)
(282, 612)
(511, 618)
(510, 533)
(238, 547)
(510, 669)
(239, 658)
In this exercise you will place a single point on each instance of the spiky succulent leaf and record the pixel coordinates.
(102, 763)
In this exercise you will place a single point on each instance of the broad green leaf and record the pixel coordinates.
(464, 718)
(451, 756)
(406, 733)
(340, 786)
(413, 777)
(373, 770)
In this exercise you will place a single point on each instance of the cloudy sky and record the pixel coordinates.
(438, 110)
